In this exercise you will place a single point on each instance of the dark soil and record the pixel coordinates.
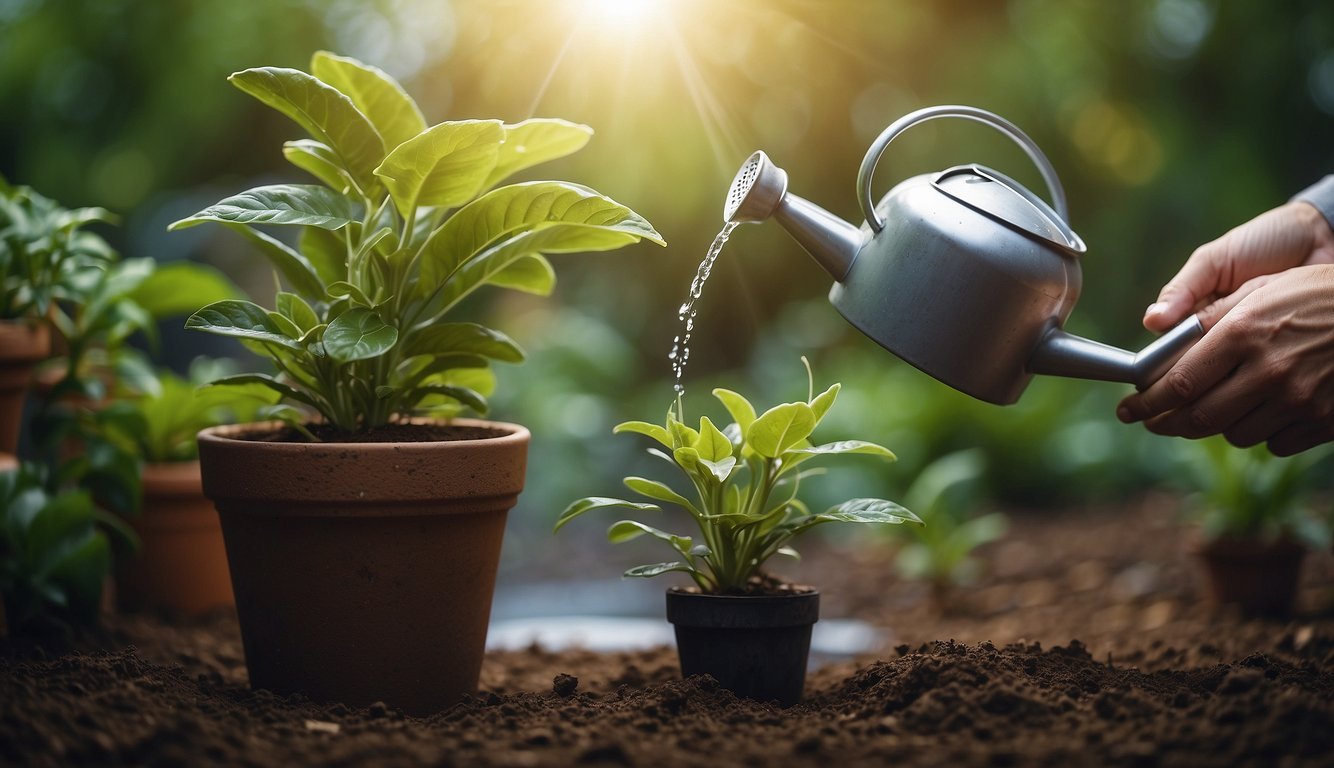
(1160, 678)
(389, 433)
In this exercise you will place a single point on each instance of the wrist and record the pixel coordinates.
(1312, 220)
(1316, 203)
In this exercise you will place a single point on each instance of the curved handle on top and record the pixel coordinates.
(949, 110)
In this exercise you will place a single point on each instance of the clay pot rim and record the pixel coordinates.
(225, 434)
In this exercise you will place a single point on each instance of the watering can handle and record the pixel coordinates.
(970, 113)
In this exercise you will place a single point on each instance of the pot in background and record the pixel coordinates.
(181, 564)
(22, 346)
(754, 645)
(364, 572)
(1260, 576)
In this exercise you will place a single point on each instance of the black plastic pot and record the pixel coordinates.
(754, 646)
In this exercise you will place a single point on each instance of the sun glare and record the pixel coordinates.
(616, 13)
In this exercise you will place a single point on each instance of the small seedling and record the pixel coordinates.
(745, 479)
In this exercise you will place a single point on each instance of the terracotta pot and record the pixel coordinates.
(364, 572)
(181, 564)
(22, 346)
(754, 646)
(1257, 575)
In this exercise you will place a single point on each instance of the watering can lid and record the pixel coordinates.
(1008, 202)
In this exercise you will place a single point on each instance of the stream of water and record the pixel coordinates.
(680, 354)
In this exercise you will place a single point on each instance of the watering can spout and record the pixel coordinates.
(1065, 354)
(759, 192)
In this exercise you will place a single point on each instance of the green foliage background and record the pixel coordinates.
(1169, 121)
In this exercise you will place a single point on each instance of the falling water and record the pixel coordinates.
(680, 354)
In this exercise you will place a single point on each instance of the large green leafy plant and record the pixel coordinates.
(745, 479)
(406, 222)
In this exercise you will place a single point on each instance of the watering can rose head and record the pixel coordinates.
(406, 222)
(744, 481)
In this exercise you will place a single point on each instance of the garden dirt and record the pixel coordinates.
(1086, 644)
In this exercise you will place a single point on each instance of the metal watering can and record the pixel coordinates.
(964, 273)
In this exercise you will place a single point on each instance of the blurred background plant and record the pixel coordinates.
(1169, 121)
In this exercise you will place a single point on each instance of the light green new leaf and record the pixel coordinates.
(464, 338)
(377, 95)
(501, 214)
(536, 141)
(443, 166)
(628, 530)
(721, 468)
(241, 319)
(657, 569)
(868, 511)
(530, 274)
(742, 412)
(825, 400)
(712, 444)
(263, 380)
(590, 503)
(644, 428)
(358, 334)
(318, 160)
(179, 288)
(660, 491)
(327, 115)
(299, 204)
(297, 310)
(848, 446)
(463, 395)
(780, 428)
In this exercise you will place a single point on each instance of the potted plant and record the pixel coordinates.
(1255, 522)
(42, 247)
(180, 564)
(54, 553)
(744, 627)
(944, 495)
(363, 528)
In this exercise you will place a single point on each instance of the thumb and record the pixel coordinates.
(1197, 280)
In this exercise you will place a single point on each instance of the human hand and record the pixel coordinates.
(1264, 372)
(1221, 273)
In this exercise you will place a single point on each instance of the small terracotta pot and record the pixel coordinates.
(755, 646)
(22, 346)
(1257, 575)
(364, 572)
(181, 564)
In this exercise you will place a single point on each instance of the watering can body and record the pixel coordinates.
(964, 273)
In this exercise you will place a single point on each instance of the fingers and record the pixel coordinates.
(1296, 438)
(1212, 313)
(1199, 370)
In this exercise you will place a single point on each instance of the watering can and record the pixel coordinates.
(964, 273)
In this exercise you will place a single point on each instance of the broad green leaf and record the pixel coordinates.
(327, 115)
(780, 428)
(530, 274)
(498, 216)
(318, 160)
(292, 265)
(682, 436)
(824, 401)
(296, 310)
(327, 253)
(344, 289)
(657, 569)
(377, 95)
(264, 380)
(536, 141)
(644, 428)
(742, 412)
(868, 511)
(242, 319)
(286, 325)
(660, 491)
(358, 334)
(299, 204)
(687, 459)
(443, 166)
(179, 288)
(590, 503)
(847, 446)
(628, 530)
(712, 444)
(464, 338)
